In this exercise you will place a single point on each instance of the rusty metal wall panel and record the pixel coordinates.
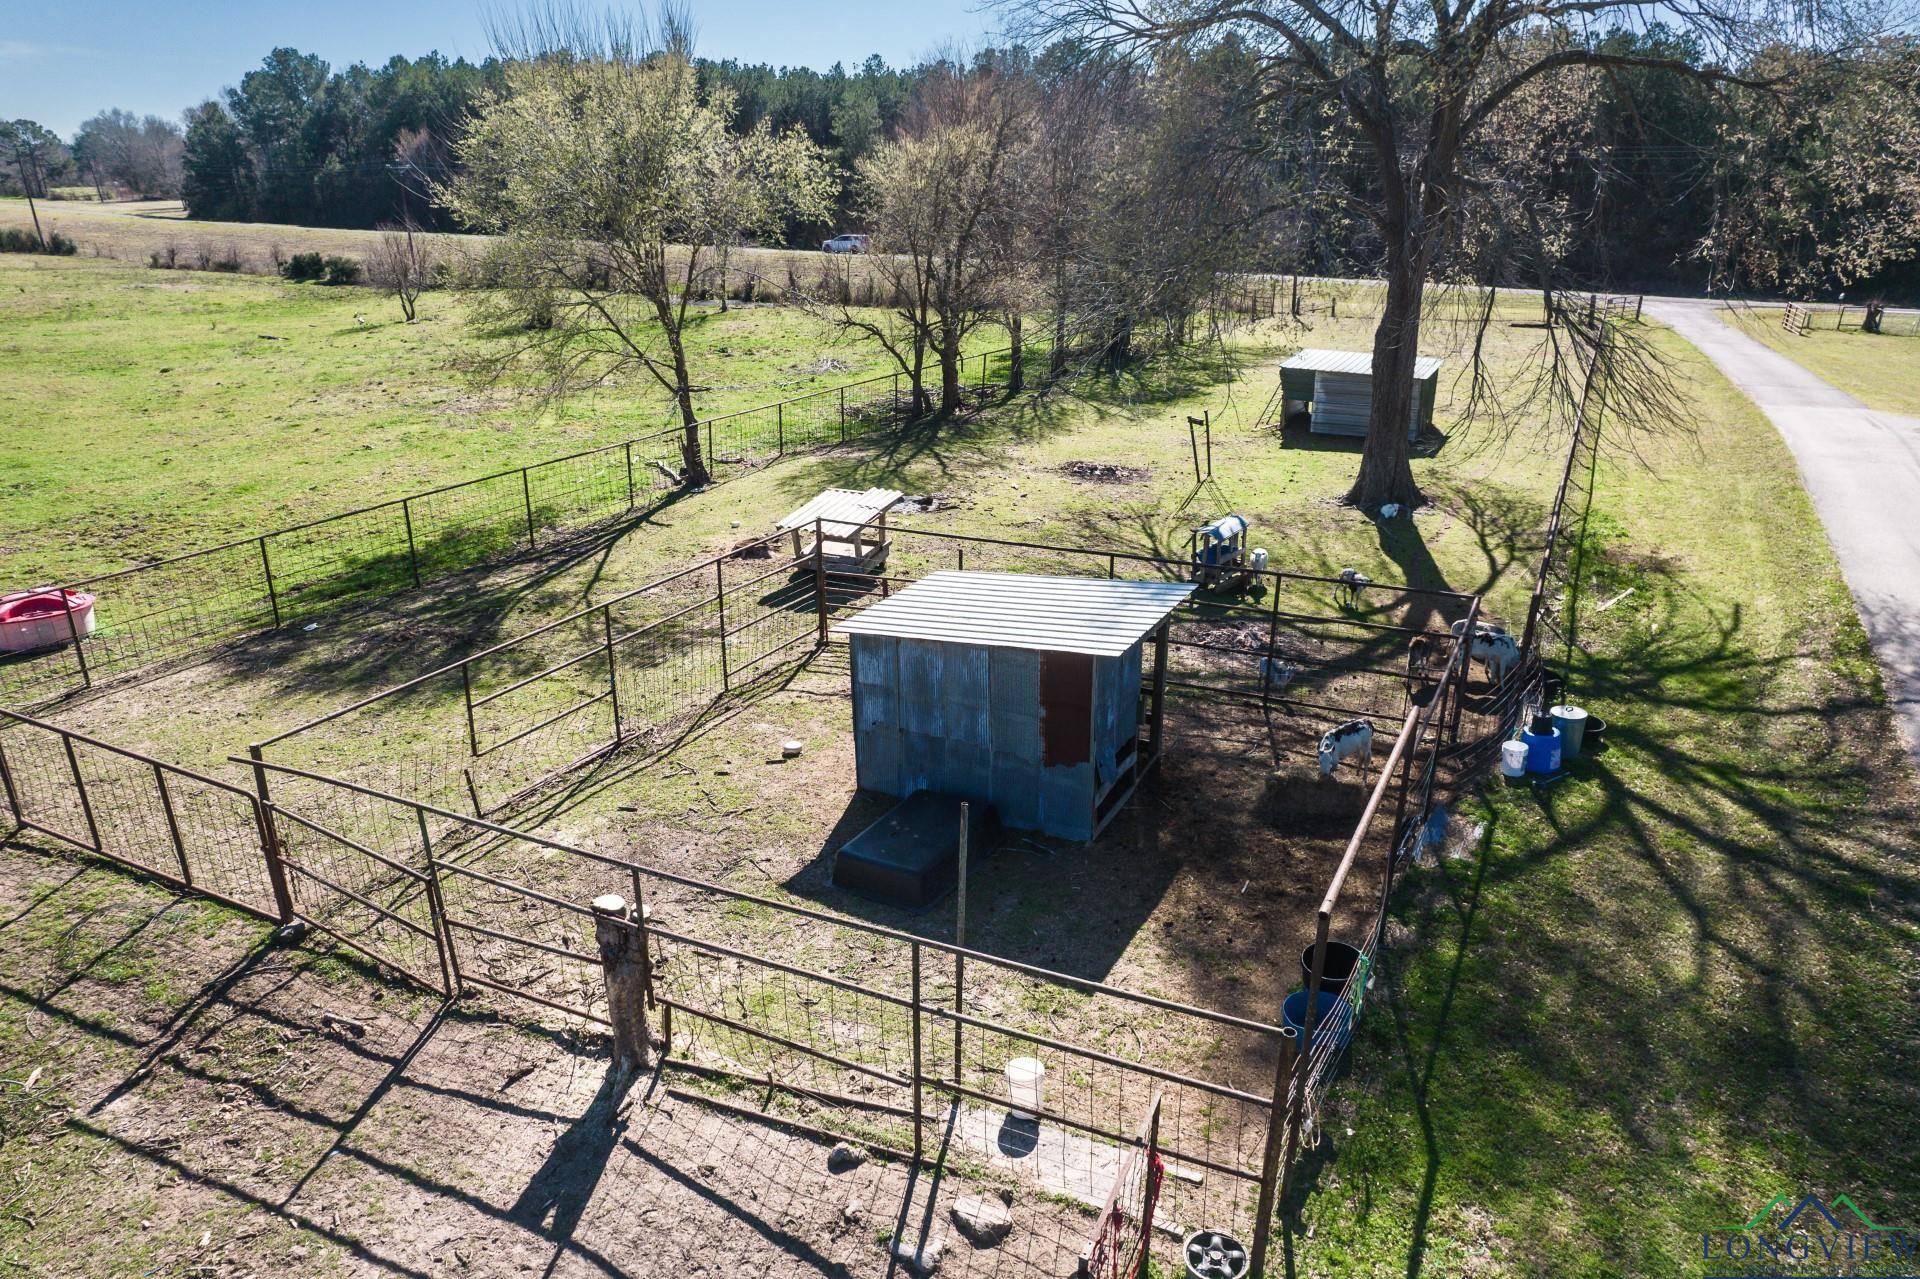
(1066, 709)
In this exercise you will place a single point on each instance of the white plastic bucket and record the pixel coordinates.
(1026, 1086)
(1513, 759)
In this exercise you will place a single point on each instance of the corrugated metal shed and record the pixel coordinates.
(1089, 615)
(1338, 387)
(1317, 360)
(1017, 690)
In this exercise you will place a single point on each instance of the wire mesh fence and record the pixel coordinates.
(187, 829)
(172, 609)
(901, 1043)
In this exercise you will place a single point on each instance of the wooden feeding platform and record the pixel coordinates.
(852, 530)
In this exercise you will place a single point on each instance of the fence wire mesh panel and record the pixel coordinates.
(159, 613)
(373, 894)
(482, 734)
(190, 830)
(1123, 1240)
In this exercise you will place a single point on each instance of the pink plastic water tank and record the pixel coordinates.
(39, 619)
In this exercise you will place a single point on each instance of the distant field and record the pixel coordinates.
(135, 230)
(159, 411)
(1882, 370)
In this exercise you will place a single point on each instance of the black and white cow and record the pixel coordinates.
(1353, 739)
(1493, 645)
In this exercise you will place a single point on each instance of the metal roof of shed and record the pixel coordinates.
(1316, 360)
(1091, 615)
(840, 511)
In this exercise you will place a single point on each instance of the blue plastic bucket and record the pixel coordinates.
(1334, 1021)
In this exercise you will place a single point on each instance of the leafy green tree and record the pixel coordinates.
(216, 170)
(594, 166)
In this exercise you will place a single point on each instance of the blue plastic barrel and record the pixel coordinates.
(1334, 1020)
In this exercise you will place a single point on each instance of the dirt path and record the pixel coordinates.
(1862, 468)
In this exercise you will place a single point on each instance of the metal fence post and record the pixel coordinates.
(618, 938)
(466, 692)
(173, 824)
(720, 597)
(1270, 1155)
(270, 839)
(843, 415)
(1304, 1056)
(73, 631)
(917, 1148)
(273, 596)
(820, 577)
(613, 674)
(780, 429)
(437, 908)
(526, 493)
(413, 554)
(80, 784)
(960, 939)
(628, 449)
(13, 796)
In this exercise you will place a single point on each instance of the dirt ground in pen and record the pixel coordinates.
(246, 1109)
(1203, 889)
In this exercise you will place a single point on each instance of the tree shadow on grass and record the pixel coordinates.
(1659, 949)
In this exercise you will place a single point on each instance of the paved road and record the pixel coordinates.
(1862, 468)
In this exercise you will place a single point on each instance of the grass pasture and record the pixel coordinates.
(169, 410)
(1882, 370)
(1649, 998)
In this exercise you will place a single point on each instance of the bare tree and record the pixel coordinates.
(938, 198)
(605, 173)
(1415, 89)
(402, 265)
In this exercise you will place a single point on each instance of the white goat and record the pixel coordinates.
(1353, 738)
(1276, 673)
(1352, 581)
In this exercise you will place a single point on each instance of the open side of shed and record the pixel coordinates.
(1336, 389)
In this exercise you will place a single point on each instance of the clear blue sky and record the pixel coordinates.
(63, 60)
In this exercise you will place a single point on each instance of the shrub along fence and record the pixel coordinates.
(176, 607)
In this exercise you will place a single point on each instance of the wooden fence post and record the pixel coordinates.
(617, 931)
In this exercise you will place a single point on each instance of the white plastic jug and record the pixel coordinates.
(1513, 759)
(1026, 1086)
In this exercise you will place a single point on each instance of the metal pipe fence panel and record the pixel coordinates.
(178, 825)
